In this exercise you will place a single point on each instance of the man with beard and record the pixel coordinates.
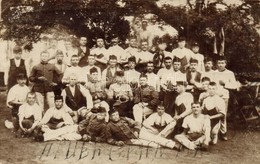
(59, 63)
(83, 52)
(152, 79)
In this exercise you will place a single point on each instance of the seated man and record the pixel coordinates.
(157, 127)
(108, 75)
(205, 87)
(123, 130)
(182, 105)
(214, 106)
(30, 114)
(146, 99)
(196, 129)
(120, 94)
(16, 97)
(93, 128)
(77, 97)
(57, 123)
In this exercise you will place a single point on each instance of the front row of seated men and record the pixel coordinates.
(193, 125)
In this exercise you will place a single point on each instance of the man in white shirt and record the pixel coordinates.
(152, 79)
(74, 69)
(115, 49)
(57, 123)
(197, 128)
(101, 53)
(183, 53)
(214, 107)
(132, 50)
(166, 84)
(209, 72)
(30, 114)
(16, 97)
(195, 49)
(131, 75)
(157, 127)
(143, 56)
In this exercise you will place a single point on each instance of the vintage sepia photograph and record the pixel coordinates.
(129, 81)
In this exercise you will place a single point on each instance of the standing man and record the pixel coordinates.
(132, 75)
(15, 66)
(227, 78)
(209, 72)
(101, 53)
(42, 75)
(83, 51)
(91, 64)
(183, 53)
(144, 56)
(152, 78)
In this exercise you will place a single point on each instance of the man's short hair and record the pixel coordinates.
(167, 58)
(74, 56)
(45, 52)
(21, 76)
(195, 102)
(221, 58)
(132, 59)
(149, 62)
(176, 59)
(101, 109)
(181, 39)
(17, 49)
(59, 52)
(194, 61)
(208, 59)
(58, 97)
(205, 79)
(143, 75)
(93, 70)
(212, 83)
(112, 57)
(120, 73)
(112, 111)
(31, 93)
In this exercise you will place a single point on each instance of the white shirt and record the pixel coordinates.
(181, 52)
(118, 51)
(215, 101)
(17, 93)
(144, 57)
(165, 75)
(196, 125)
(26, 111)
(78, 71)
(98, 51)
(132, 76)
(227, 77)
(153, 80)
(57, 114)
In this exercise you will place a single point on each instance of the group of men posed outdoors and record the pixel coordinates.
(122, 96)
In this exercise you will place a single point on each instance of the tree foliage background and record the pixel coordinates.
(26, 20)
